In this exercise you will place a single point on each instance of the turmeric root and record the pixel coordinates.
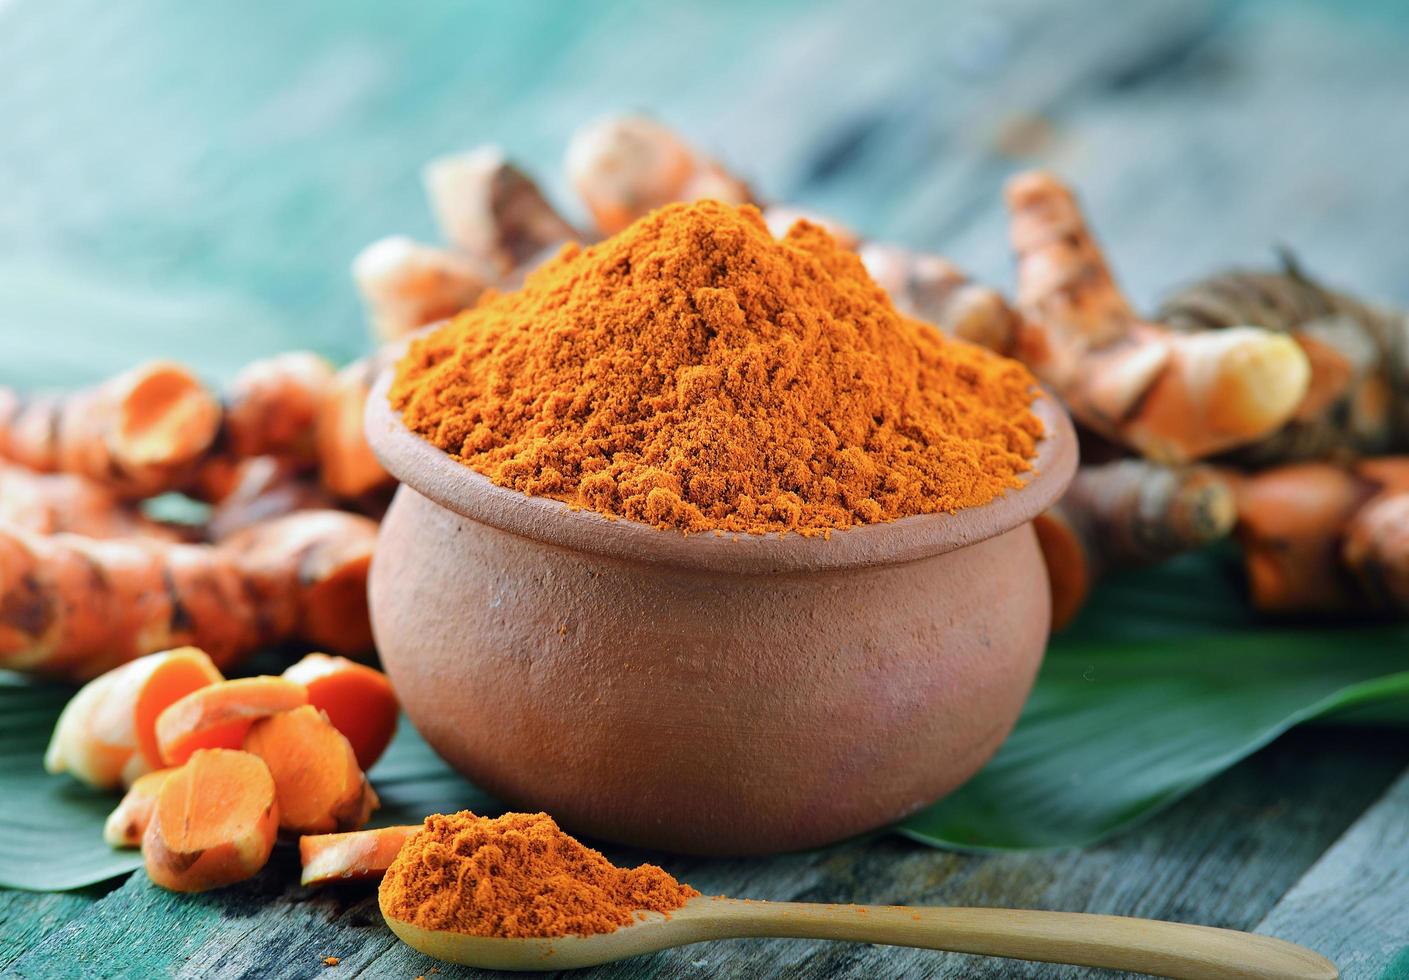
(1376, 550)
(347, 467)
(262, 489)
(356, 856)
(106, 736)
(214, 822)
(127, 824)
(357, 699)
(309, 573)
(140, 433)
(220, 716)
(55, 503)
(1173, 397)
(493, 211)
(319, 785)
(1318, 537)
(937, 291)
(1358, 399)
(1130, 512)
(273, 403)
(405, 284)
(626, 166)
(74, 607)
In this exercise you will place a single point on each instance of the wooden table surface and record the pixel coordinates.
(191, 180)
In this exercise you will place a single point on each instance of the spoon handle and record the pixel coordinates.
(1168, 949)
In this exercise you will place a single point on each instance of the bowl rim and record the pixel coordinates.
(436, 475)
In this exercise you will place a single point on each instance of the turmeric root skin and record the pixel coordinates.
(1376, 550)
(74, 607)
(347, 467)
(62, 503)
(493, 211)
(1128, 513)
(626, 166)
(405, 285)
(309, 570)
(140, 433)
(1171, 396)
(1356, 402)
(933, 289)
(1325, 538)
(272, 406)
(357, 856)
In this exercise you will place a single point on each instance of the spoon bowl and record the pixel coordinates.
(1170, 949)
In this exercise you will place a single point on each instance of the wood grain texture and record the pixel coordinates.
(1352, 904)
(1112, 942)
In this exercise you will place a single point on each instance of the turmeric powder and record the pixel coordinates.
(695, 373)
(516, 876)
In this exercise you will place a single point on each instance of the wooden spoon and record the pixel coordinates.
(1115, 942)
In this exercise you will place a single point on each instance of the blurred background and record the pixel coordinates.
(192, 180)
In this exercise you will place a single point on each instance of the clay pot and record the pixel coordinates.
(707, 694)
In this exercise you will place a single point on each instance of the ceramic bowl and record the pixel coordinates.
(708, 694)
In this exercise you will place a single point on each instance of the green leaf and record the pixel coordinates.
(51, 827)
(1115, 732)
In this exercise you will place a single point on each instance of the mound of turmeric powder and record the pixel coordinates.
(695, 373)
(515, 876)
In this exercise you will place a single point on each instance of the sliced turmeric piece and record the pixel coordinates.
(354, 856)
(319, 784)
(143, 689)
(128, 822)
(214, 822)
(108, 735)
(357, 699)
(219, 716)
(73, 749)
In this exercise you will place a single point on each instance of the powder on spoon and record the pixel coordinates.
(695, 373)
(515, 876)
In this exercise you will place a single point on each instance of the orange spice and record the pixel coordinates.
(695, 373)
(517, 875)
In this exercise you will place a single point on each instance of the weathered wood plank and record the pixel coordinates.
(1222, 857)
(1353, 905)
(26, 918)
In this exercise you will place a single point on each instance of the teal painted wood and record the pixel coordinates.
(1222, 857)
(1351, 904)
(26, 918)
